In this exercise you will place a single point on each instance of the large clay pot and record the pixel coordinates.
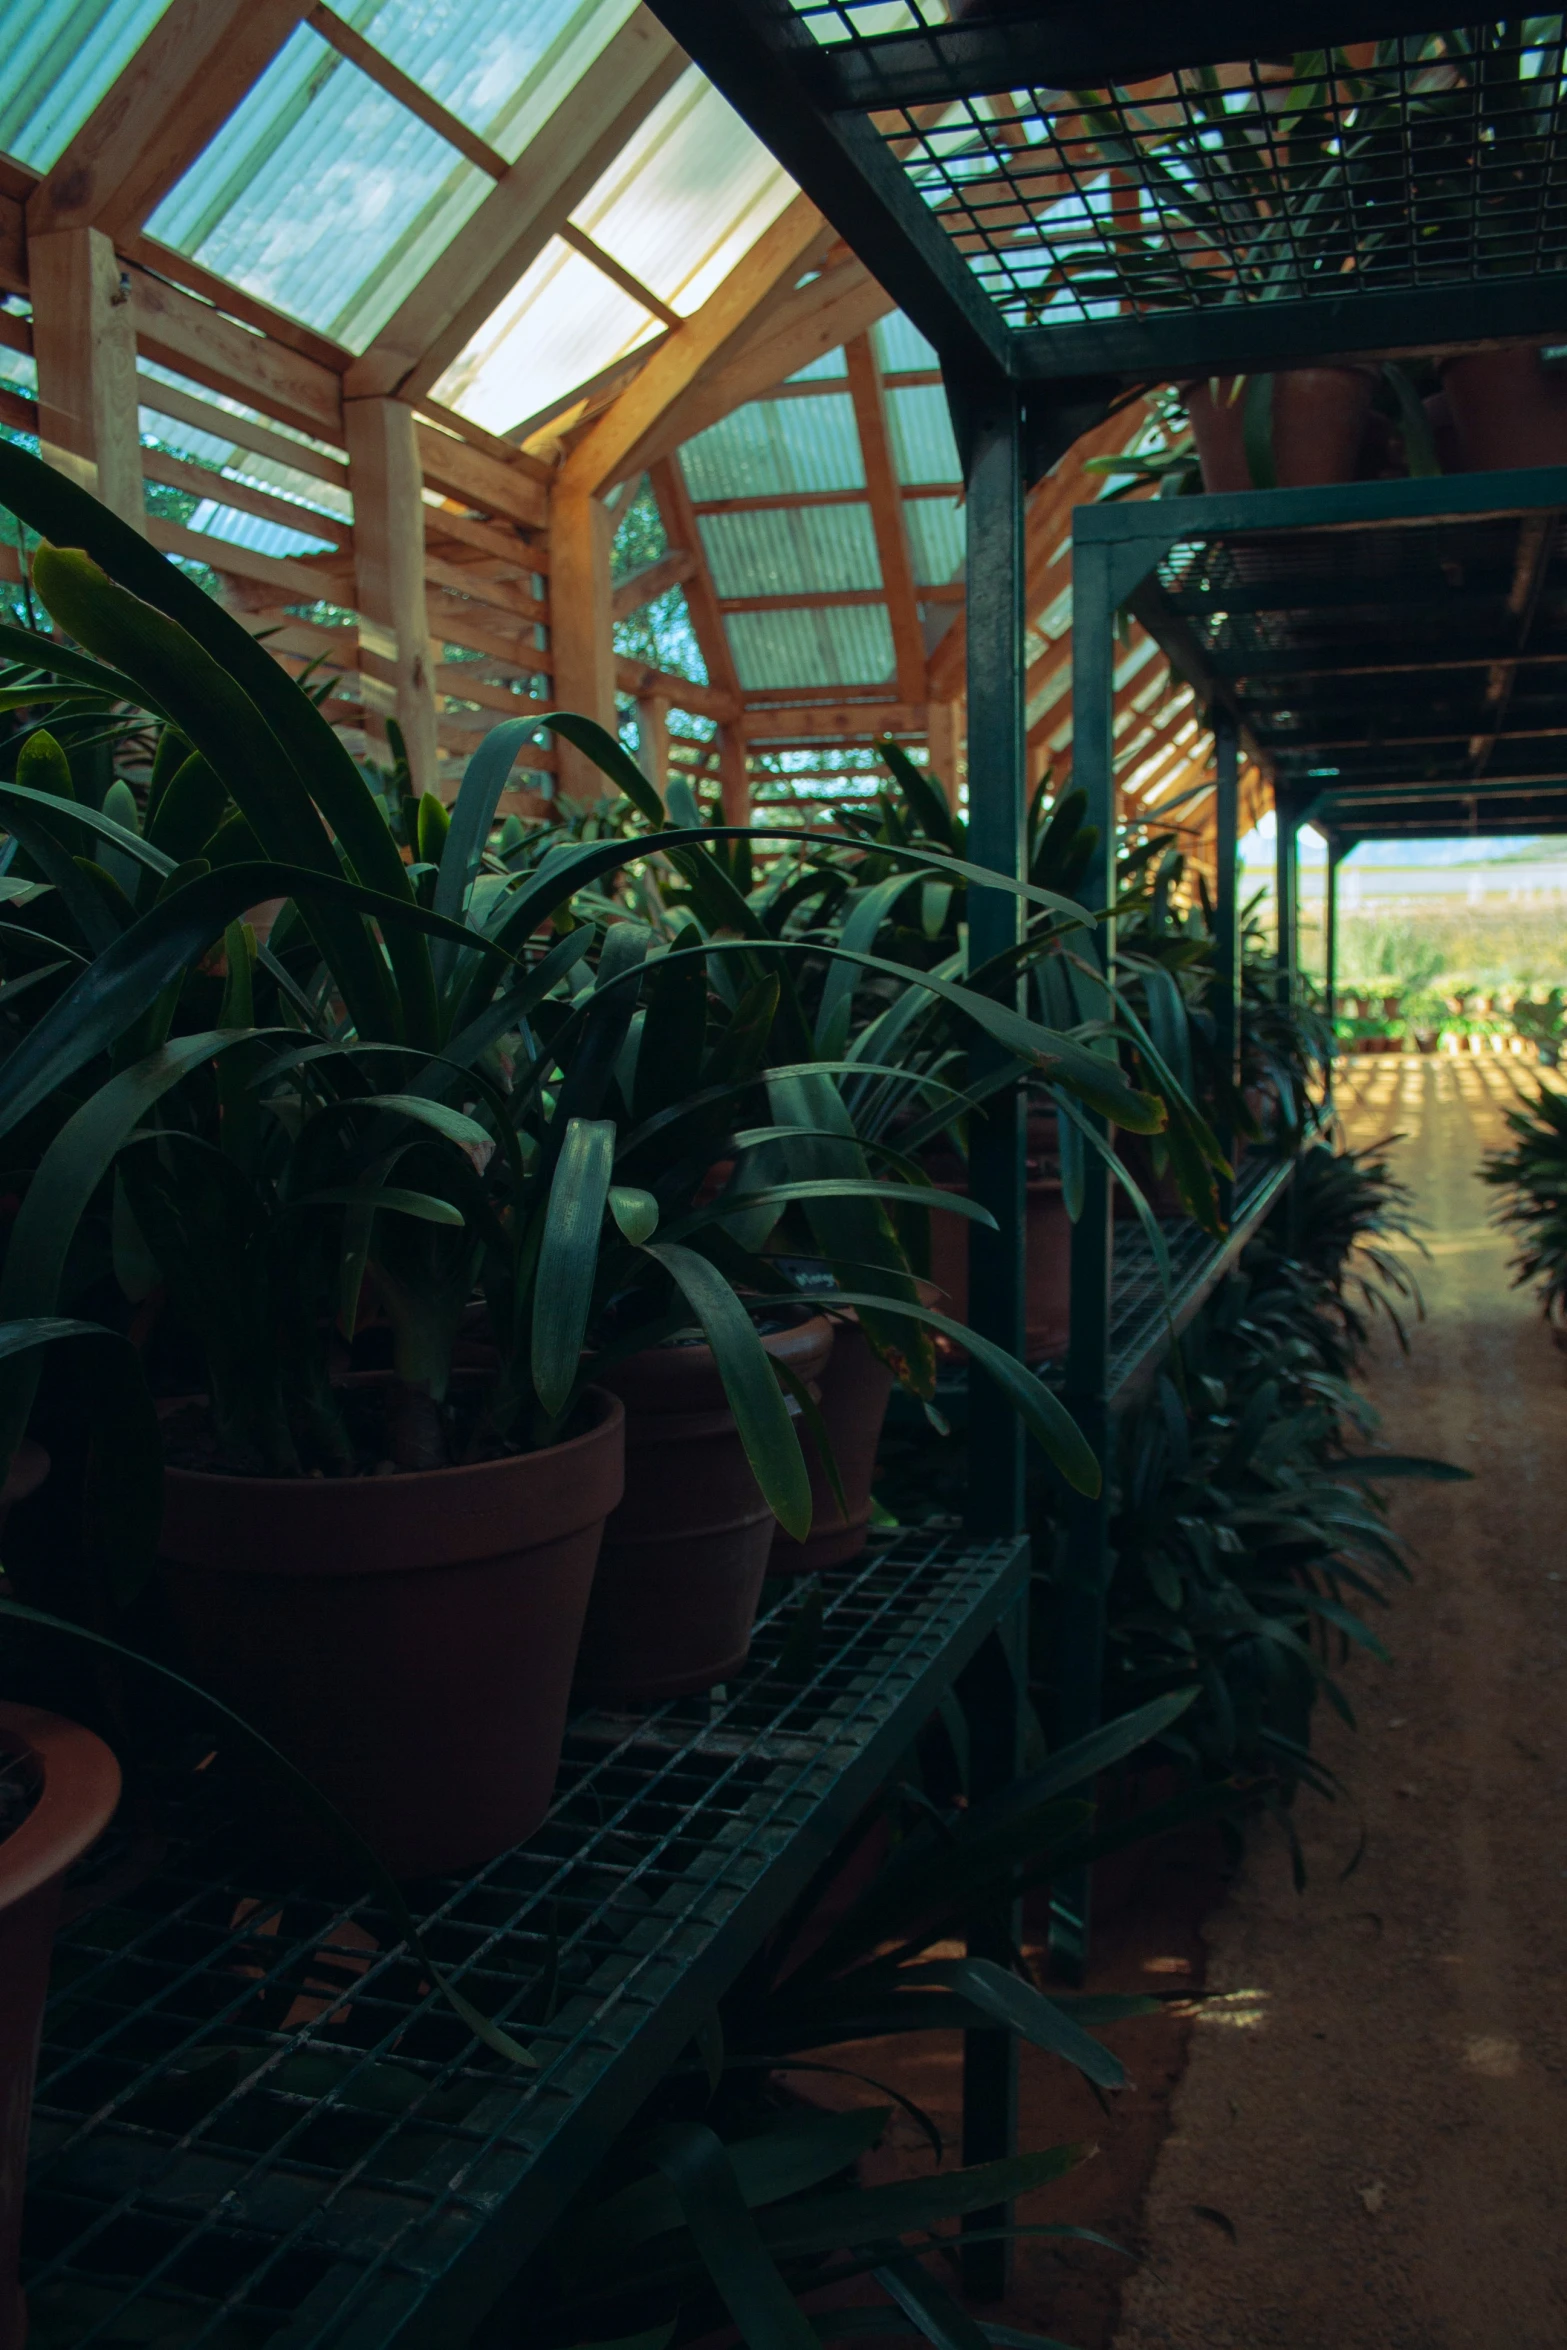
(1047, 1275)
(685, 1555)
(1507, 409)
(1319, 424)
(408, 1641)
(78, 1782)
(855, 1389)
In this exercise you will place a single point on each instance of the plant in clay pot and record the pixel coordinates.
(301, 1157)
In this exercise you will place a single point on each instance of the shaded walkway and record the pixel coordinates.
(1375, 2115)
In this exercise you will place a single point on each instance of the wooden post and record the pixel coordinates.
(944, 743)
(653, 739)
(582, 643)
(84, 341)
(397, 659)
(734, 777)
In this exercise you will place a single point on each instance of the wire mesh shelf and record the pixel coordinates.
(257, 2122)
(1143, 1311)
(1421, 162)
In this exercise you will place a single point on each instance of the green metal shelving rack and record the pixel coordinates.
(954, 159)
(258, 2122)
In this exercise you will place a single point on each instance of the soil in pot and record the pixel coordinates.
(1507, 409)
(1319, 424)
(684, 1556)
(58, 1789)
(407, 1640)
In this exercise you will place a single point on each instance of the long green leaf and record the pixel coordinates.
(1007, 2000)
(568, 1258)
(71, 517)
(761, 1415)
(472, 815)
(697, 2166)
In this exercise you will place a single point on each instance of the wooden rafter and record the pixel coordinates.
(815, 318)
(179, 88)
(652, 415)
(502, 239)
(887, 518)
(673, 500)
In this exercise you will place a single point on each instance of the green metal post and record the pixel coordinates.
(1227, 923)
(992, 437)
(997, 814)
(1286, 876)
(1330, 949)
(1083, 1566)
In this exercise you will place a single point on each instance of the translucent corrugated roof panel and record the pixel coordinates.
(900, 347)
(790, 551)
(936, 538)
(60, 57)
(842, 645)
(503, 71)
(322, 195)
(829, 368)
(252, 530)
(920, 428)
(560, 325)
(777, 445)
(687, 197)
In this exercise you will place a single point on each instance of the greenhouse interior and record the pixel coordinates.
(805, 753)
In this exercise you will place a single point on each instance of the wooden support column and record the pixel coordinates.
(653, 738)
(397, 657)
(84, 341)
(734, 777)
(582, 643)
(887, 517)
(944, 742)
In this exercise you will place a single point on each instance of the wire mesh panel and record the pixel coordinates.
(1427, 161)
(258, 2122)
(1143, 1310)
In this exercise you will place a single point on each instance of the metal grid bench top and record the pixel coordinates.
(258, 2122)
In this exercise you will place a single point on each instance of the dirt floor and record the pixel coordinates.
(1370, 2139)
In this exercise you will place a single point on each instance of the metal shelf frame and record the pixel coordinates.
(257, 2120)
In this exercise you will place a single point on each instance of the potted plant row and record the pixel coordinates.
(411, 1204)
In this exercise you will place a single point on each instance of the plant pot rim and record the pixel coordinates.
(605, 1405)
(81, 1787)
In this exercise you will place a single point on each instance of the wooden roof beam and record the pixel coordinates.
(510, 229)
(183, 83)
(887, 518)
(673, 500)
(652, 415)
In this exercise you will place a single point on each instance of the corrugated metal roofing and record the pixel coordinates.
(60, 57)
(800, 551)
(777, 445)
(503, 71)
(252, 530)
(900, 347)
(844, 645)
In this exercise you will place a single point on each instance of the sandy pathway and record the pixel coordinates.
(1374, 2121)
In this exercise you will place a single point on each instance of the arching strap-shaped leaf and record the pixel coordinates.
(694, 2160)
(568, 1258)
(923, 796)
(1004, 1999)
(635, 1212)
(1044, 1416)
(100, 1004)
(70, 516)
(117, 835)
(610, 758)
(761, 1415)
(858, 935)
(472, 815)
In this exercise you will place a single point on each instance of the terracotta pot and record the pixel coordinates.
(855, 1389)
(1047, 1278)
(1319, 424)
(408, 1641)
(1507, 410)
(80, 1786)
(684, 1556)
